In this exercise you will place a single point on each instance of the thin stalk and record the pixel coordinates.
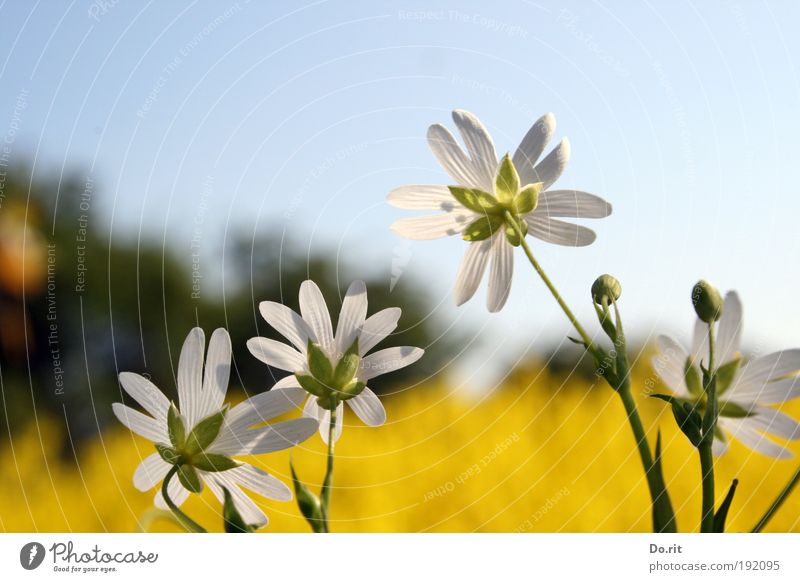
(705, 448)
(639, 434)
(325, 492)
(776, 505)
(186, 521)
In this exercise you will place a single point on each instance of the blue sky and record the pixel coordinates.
(247, 116)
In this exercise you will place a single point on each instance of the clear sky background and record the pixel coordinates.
(249, 116)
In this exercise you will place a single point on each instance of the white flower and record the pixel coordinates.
(478, 169)
(745, 390)
(312, 330)
(200, 396)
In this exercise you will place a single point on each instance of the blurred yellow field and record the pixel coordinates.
(540, 454)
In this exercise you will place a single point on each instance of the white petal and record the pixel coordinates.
(670, 364)
(315, 311)
(743, 430)
(276, 354)
(146, 394)
(573, 204)
(422, 197)
(190, 376)
(451, 156)
(258, 441)
(551, 167)
(500, 274)
(377, 327)
(700, 343)
(559, 232)
(250, 512)
(287, 323)
(471, 271)
(141, 424)
(718, 446)
(729, 332)
(217, 373)
(388, 360)
(150, 472)
(770, 367)
(480, 147)
(775, 422)
(765, 393)
(263, 407)
(325, 420)
(435, 226)
(312, 410)
(177, 493)
(352, 316)
(532, 146)
(260, 482)
(368, 408)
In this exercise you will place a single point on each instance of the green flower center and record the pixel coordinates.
(504, 209)
(332, 382)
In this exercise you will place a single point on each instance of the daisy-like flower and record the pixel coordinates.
(745, 389)
(489, 197)
(333, 368)
(202, 436)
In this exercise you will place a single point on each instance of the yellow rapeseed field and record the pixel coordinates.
(543, 453)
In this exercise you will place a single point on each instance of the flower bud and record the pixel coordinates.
(707, 301)
(606, 289)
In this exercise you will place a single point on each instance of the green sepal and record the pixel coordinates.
(204, 433)
(506, 184)
(663, 514)
(234, 523)
(692, 378)
(516, 234)
(175, 427)
(169, 454)
(732, 410)
(312, 386)
(527, 199)
(352, 390)
(189, 478)
(482, 228)
(722, 513)
(726, 374)
(686, 415)
(213, 462)
(309, 504)
(319, 365)
(475, 200)
(347, 367)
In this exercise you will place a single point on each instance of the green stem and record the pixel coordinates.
(706, 444)
(186, 521)
(785, 492)
(564, 307)
(325, 493)
(639, 434)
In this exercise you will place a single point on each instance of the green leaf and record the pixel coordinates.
(234, 523)
(312, 386)
(204, 433)
(347, 367)
(725, 375)
(732, 410)
(691, 377)
(319, 364)
(687, 416)
(214, 463)
(169, 454)
(528, 198)
(663, 514)
(482, 228)
(515, 235)
(506, 184)
(309, 504)
(575, 340)
(176, 427)
(190, 479)
(474, 199)
(722, 513)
